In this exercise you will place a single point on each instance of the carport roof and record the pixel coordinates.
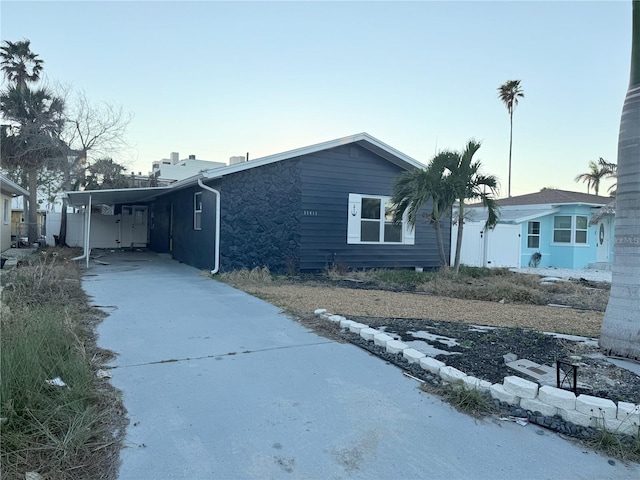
(10, 188)
(115, 196)
(511, 215)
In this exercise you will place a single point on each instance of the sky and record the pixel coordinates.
(218, 79)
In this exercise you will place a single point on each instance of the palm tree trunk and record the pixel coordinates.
(439, 239)
(510, 147)
(620, 334)
(459, 237)
(32, 225)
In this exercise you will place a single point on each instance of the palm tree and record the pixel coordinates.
(19, 64)
(620, 333)
(612, 172)
(597, 172)
(34, 122)
(449, 177)
(509, 93)
(416, 188)
(467, 183)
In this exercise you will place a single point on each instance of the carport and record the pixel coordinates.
(107, 200)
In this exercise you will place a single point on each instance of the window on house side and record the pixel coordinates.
(5, 211)
(562, 229)
(581, 229)
(371, 221)
(197, 211)
(570, 229)
(533, 235)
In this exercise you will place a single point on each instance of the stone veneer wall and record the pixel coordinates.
(261, 215)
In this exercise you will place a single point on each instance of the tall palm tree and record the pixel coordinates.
(612, 172)
(597, 172)
(34, 117)
(509, 93)
(467, 183)
(620, 333)
(20, 65)
(416, 188)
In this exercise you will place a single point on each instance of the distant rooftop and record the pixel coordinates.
(554, 197)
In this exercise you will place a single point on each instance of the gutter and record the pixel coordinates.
(87, 251)
(216, 265)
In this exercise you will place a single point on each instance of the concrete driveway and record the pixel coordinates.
(222, 385)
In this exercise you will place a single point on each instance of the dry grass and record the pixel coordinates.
(472, 297)
(71, 432)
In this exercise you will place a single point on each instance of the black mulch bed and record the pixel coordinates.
(481, 353)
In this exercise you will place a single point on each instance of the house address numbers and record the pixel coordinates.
(310, 213)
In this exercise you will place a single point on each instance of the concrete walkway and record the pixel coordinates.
(221, 385)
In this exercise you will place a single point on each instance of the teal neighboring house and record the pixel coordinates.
(550, 228)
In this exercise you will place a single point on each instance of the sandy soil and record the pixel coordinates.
(380, 303)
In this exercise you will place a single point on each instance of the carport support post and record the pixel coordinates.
(87, 250)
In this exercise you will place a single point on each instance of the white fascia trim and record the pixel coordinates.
(526, 218)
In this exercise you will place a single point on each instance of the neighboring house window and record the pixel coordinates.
(197, 211)
(5, 211)
(581, 229)
(533, 235)
(562, 229)
(371, 221)
(565, 230)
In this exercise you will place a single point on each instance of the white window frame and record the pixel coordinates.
(573, 229)
(354, 223)
(532, 236)
(5, 211)
(585, 230)
(197, 211)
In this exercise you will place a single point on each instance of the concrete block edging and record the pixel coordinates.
(620, 418)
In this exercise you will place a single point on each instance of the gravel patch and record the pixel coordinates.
(381, 303)
(567, 273)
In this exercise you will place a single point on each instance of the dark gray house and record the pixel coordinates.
(302, 210)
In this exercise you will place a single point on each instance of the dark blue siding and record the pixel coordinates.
(327, 179)
(190, 246)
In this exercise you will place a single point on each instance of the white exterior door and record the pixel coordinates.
(503, 246)
(471, 253)
(603, 240)
(133, 226)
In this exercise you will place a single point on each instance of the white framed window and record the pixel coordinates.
(562, 229)
(5, 211)
(371, 221)
(197, 211)
(533, 235)
(581, 229)
(570, 229)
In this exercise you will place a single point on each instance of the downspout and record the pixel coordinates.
(87, 232)
(216, 264)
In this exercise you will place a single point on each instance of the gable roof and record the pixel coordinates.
(554, 197)
(10, 188)
(134, 195)
(362, 139)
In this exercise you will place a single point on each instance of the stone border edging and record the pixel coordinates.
(543, 405)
